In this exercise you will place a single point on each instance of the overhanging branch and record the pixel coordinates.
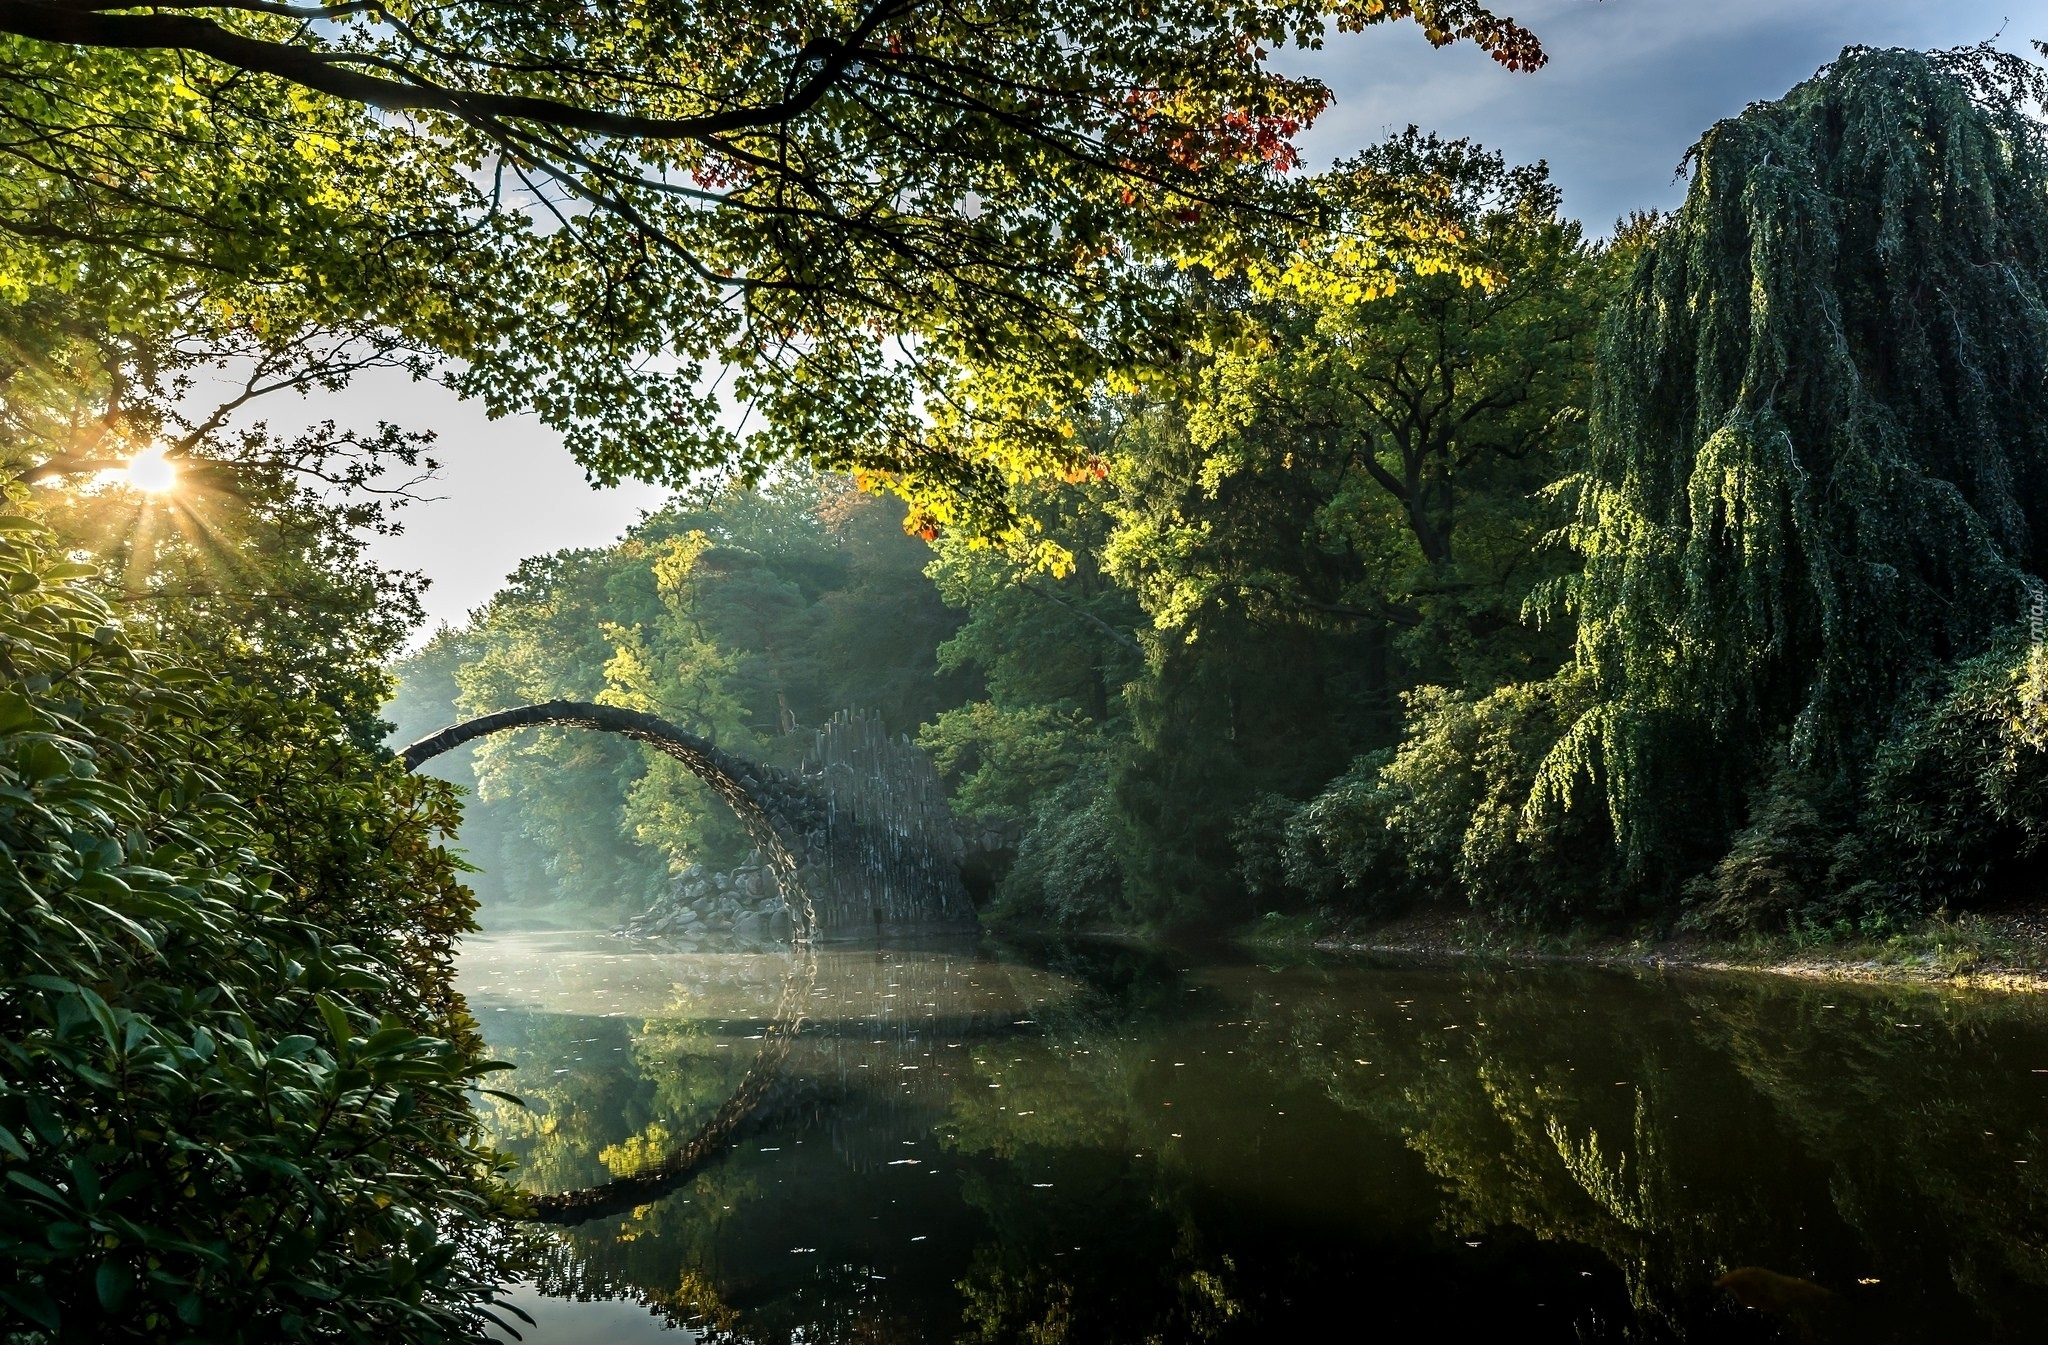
(335, 72)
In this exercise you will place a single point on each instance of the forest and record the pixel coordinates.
(1237, 538)
(1428, 597)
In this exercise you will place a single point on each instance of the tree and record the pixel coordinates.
(248, 553)
(749, 616)
(252, 575)
(1286, 595)
(556, 798)
(1442, 382)
(1807, 512)
(1818, 470)
(1374, 461)
(605, 212)
(1051, 654)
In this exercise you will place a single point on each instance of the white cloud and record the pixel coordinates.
(1631, 83)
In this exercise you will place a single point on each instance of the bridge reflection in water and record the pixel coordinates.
(861, 846)
(1105, 1144)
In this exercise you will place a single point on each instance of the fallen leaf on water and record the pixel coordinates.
(1769, 1291)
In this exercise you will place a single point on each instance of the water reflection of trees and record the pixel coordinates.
(1927, 1112)
(1559, 1113)
(1684, 1126)
(599, 1092)
(1110, 1160)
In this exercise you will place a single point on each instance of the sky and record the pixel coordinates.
(1630, 86)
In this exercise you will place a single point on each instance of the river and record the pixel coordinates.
(1098, 1142)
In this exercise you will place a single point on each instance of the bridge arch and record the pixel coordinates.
(859, 837)
(784, 818)
(781, 819)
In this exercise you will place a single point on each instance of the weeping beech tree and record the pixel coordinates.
(1817, 477)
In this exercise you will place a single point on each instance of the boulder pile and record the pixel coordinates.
(743, 906)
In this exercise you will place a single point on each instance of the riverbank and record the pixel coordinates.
(2001, 950)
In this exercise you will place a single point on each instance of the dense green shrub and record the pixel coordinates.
(1066, 865)
(1447, 816)
(1953, 815)
(1957, 805)
(1795, 863)
(233, 1075)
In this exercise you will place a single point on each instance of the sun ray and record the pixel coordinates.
(141, 551)
(214, 547)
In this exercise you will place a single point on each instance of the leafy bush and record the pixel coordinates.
(1002, 759)
(1068, 863)
(1791, 865)
(233, 1076)
(1449, 816)
(1954, 814)
(1260, 837)
(1337, 847)
(1957, 805)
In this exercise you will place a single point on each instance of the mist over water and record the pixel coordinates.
(1100, 1142)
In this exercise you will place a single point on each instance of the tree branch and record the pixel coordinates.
(329, 73)
(1111, 631)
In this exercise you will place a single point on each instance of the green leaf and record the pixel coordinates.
(86, 1181)
(70, 570)
(336, 1019)
(111, 1283)
(18, 714)
(66, 1236)
(43, 1189)
(27, 1299)
(11, 1144)
(322, 1292)
(393, 1040)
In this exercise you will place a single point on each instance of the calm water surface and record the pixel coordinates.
(1105, 1144)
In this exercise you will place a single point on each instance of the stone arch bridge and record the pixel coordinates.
(858, 835)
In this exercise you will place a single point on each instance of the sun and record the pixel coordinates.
(151, 473)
